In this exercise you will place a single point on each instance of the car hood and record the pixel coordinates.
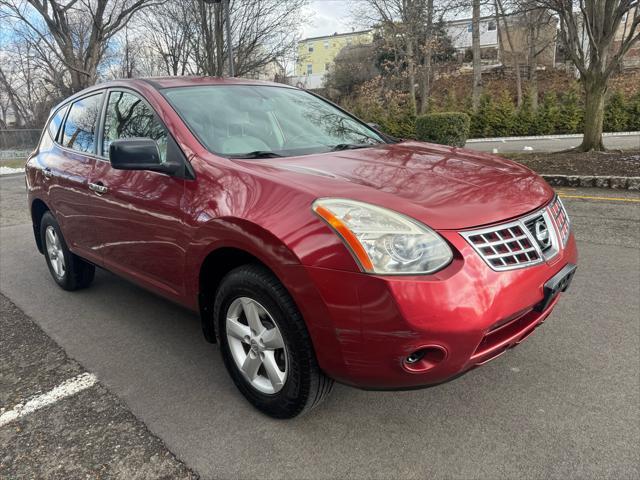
(444, 187)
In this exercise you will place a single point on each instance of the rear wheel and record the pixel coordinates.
(67, 269)
(265, 344)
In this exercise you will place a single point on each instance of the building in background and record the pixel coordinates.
(632, 58)
(460, 32)
(317, 54)
(534, 34)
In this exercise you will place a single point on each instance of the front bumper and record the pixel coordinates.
(467, 313)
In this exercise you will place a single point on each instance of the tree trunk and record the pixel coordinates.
(425, 86)
(516, 67)
(219, 32)
(533, 65)
(594, 90)
(411, 71)
(477, 61)
(512, 51)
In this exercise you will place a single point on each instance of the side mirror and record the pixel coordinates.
(139, 154)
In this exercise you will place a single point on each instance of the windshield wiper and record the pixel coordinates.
(256, 154)
(350, 146)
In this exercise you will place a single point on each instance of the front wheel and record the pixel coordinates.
(265, 345)
(67, 269)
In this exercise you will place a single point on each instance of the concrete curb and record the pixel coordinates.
(547, 137)
(620, 183)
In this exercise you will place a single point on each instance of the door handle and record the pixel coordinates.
(47, 173)
(99, 188)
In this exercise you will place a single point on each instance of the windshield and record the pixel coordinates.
(255, 121)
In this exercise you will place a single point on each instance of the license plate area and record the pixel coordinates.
(556, 284)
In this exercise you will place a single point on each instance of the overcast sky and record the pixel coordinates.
(327, 17)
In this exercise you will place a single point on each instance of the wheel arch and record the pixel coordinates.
(232, 243)
(38, 209)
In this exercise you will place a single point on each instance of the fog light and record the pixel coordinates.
(425, 358)
(415, 356)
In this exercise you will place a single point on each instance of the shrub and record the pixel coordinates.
(388, 108)
(633, 110)
(525, 118)
(504, 118)
(616, 118)
(571, 117)
(548, 115)
(494, 119)
(446, 128)
(482, 118)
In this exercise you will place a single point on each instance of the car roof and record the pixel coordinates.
(169, 82)
(160, 83)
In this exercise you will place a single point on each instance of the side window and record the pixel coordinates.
(52, 129)
(129, 116)
(79, 131)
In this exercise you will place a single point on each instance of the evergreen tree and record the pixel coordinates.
(571, 113)
(633, 110)
(548, 115)
(526, 116)
(616, 117)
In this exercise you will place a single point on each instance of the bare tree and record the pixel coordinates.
(591, 33)
(407, 27)
(501, 15)
(78, 31)
(167, 34)
(31, 80)
(262, 31)
(541, 28)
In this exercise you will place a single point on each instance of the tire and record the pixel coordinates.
(304, 385)
(68, 270)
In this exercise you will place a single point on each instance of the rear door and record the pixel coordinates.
(67, 167)
(138, 214)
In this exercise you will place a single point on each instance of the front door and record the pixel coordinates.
(137, 214)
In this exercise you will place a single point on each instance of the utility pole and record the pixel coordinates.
(226, 4)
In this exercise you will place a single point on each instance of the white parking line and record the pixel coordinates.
(65, 389)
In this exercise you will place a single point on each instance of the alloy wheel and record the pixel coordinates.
(55, 252)
(256, 345)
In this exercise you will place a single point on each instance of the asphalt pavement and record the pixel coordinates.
(91, 434)
(551, 143)
(564, 404)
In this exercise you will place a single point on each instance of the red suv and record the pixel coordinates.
(314, 247)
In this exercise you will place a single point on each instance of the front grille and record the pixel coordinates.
(505, 247)
(561, 218)
(527, 241)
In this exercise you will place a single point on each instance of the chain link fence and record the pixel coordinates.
(18, 142)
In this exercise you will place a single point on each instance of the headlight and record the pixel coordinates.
(383, 241)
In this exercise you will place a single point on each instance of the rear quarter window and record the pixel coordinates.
(51, 131)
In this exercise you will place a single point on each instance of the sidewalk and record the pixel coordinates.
(551, 143)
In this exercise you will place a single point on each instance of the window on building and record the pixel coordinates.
(492, 25)
(309, 68)
(470, 27)
(80, 127)
(310, 47)
(349, 41)
(326, 44)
